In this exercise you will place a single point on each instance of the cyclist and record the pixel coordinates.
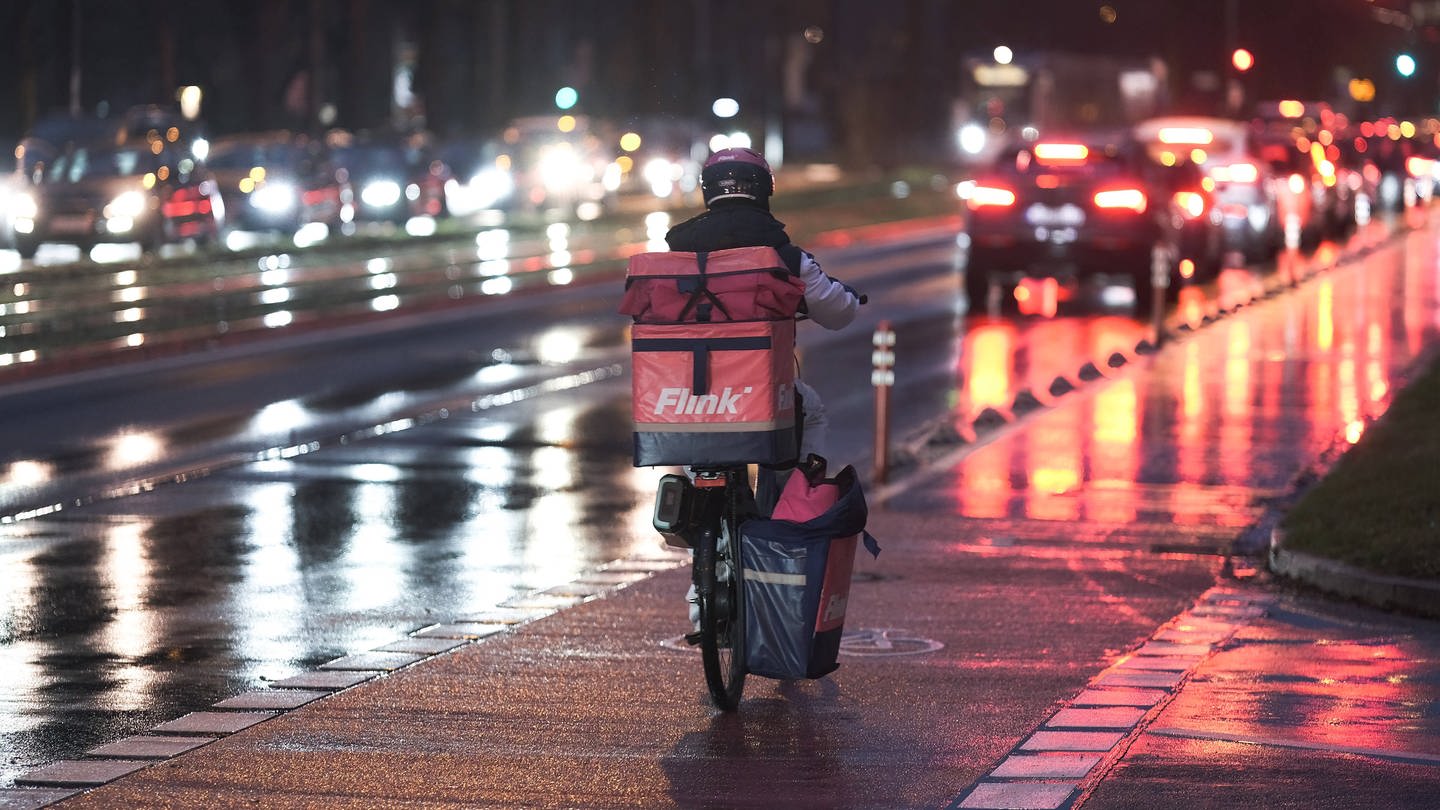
(737, 185)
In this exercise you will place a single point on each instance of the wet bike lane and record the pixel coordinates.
(1049, 623)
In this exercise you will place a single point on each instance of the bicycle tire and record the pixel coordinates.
(722, 615)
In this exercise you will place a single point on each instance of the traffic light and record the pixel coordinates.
(1405, 65)
(1242, 59)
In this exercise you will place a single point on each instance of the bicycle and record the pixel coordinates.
(704, 512)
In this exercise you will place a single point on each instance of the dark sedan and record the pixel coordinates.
(1081, 208)
(281, 183)
(146, 193)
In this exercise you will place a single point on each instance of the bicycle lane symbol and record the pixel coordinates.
(888, 641)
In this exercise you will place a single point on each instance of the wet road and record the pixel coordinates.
(273, 508)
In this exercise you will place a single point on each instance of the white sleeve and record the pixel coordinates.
(828, 301)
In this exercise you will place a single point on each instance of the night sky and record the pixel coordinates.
(888, 65)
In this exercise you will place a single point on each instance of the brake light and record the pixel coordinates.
(1419, 166)
(1237, 173)
(1128, 198)
(988, 196)
(1190, 204)
(1060, 152)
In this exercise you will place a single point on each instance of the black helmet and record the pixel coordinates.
(737, 173)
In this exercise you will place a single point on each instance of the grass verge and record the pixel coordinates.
(1377, 509)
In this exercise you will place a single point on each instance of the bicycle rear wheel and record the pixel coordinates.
(720, 592)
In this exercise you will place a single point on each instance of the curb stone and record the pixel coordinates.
(1417, 596)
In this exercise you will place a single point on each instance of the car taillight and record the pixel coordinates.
(1190, 204)
(1061, 152)
(990, 196)
(186, 202)
(1132, 199)
(1236, 173)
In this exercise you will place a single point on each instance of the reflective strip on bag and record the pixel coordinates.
(772, 578)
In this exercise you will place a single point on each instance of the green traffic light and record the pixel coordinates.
(1405, 63)
(566, 97)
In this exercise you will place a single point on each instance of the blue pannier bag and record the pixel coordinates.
(797, 582)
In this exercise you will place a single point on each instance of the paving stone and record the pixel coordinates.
(1152, 679)
(651, 564)
(462, 630)
(1167, 648)
(332, 680)
(1123, 717)
(213, 723)
(270, 699)
(1209, 638)
(32, 798)
(543, 601)
(148, 747)
(1119, 697)
(1072, 741)
(376, 661)
(81, 772)
(614, 577)
(1172, 663)
(1046, 766)
(576, 589)
(503, 616)
(1019, 796)
(422, 646)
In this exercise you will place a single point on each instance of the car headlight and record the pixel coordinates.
(380, 193)
(129, 205)
(275, 198)
(491, 185)
(22, 205)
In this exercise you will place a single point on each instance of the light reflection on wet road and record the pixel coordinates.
(130, 611)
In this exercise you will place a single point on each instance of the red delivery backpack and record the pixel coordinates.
(713, 356)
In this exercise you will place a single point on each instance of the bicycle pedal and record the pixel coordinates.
(693, 638)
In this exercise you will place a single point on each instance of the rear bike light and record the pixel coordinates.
(675, 516)
(1132, 199)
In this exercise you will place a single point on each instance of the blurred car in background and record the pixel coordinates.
(1243, 185)
(280, 182)
(658, 157)
(394, 179)
(481, 178)
(1086, 207)
(1306, 205)
(560, 162)
(144, 193)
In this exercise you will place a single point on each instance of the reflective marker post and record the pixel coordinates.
(882, 377)
(1160, 262)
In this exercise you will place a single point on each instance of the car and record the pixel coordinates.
(481, 178)
(1243, 185)
(561, 162)
(1084, 207)
(99, 193)
(1307, 206)
(280, 182)
(395, 178)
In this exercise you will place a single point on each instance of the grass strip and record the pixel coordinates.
(1379, 508)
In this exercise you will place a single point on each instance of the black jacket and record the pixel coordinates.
(732, 224)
